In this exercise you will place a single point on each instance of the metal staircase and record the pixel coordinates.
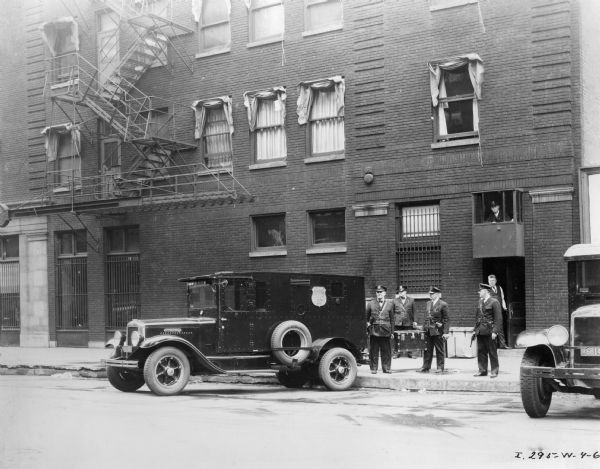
(159, 171)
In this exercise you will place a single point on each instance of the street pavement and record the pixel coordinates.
(87, 363)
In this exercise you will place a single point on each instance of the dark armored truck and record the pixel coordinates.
(301, 326)
(561, 360)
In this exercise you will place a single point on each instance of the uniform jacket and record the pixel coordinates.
(437, 318)
(380, 318)
(489, 317)
(404, 313)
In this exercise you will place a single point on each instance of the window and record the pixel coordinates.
(71, 281)
(266, 121)
(327, 231)
(419, 250)
(498, 206)
(214, 29)
(321, 106)
(62, 39)
(269, 237)
(9, 248)
(10, 303)
(122, 280)
(323, 15)
(214, 126)
(158, 122)
(266, 21)
(63, 146)
(455, 91)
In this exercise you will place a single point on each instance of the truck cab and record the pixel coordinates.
(557, 359)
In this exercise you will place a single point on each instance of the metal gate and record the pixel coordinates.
(123, 290)
(10, 296)
(71, 294)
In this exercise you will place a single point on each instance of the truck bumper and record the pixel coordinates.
(561, 373)
(119, 363)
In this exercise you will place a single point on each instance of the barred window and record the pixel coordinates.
(71, 280)
(419, 250)
(10, 305)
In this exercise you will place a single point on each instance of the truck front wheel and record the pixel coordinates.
(536, 394)
(167, 371)
(338, 369)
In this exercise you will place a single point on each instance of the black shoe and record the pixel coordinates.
(480, 374)
(439, 370)
(387, 372)
(424, 370)
(373, 372)
(494, 375)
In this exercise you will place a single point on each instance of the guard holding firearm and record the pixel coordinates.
(436, 329)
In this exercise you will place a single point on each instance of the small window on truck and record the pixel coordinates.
(201, 296)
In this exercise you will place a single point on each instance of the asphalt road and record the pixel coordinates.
(61, 423)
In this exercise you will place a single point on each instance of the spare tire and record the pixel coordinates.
(291, 335)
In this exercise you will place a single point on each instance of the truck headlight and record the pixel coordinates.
(135, 338)
(558, 335)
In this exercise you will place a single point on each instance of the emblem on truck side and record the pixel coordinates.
(319, 296)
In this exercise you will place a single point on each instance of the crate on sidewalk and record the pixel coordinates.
(459, 343)
(411, 340)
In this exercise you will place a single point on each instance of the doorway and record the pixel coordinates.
(510, 272)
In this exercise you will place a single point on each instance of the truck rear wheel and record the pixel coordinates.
(124, 380)
(536, 394)
(291, 335)
(338, 369)
(167, 371)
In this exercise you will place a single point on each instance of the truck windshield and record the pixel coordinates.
(201, 296)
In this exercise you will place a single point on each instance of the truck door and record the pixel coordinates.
(236, 311)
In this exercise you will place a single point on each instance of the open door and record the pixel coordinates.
(510, 272)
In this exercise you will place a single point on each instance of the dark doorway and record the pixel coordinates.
(510, 272)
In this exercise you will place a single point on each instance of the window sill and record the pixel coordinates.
(452, 4)
(327, 249)
(456, 143)
(214, 171)
(328, 157)
(268, 253)
(327, 29)
(264, 42)
(65, 84)
(201, 55)
(269, 164)
(60, 190)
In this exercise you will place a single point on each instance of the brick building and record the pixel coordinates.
(145, 141)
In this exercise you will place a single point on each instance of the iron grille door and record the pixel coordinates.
(10, 295)
(71, 293)
(123, 289)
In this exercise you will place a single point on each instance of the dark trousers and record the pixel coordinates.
(437, 342)
(384, 345)
(503, 333)
(487, 347)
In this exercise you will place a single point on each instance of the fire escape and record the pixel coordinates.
(161, 167)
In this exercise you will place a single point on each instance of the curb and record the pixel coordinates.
(432, 383)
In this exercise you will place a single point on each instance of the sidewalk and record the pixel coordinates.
(87, 363)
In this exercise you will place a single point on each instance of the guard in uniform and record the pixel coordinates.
(380, 320)
(487, 326)
(436, 329)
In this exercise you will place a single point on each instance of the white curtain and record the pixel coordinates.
(197, 8)
(52, 37)
(266, 118)
(52, 137)
(307, 90)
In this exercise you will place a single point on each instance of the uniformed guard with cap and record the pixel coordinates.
(487, 326)
(436, 327)
(380, 320)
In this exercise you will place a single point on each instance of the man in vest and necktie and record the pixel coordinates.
(380, 320)
(497, 292)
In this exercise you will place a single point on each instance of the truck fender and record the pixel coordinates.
(321, 345)
(153, 343)
(555, 354)
(536, 341)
